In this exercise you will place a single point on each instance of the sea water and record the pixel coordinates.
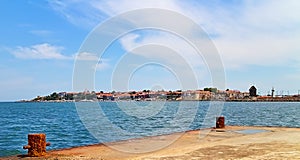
(65, 126)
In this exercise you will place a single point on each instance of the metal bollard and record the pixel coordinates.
(220, 122)
(36, 145)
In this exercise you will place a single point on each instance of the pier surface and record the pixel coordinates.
(233, 142)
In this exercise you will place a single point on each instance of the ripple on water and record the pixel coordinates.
(64, 128)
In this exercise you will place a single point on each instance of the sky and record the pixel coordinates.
(40, 41)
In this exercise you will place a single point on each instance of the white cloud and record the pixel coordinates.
(128, 41)
(86, 56)
(39, 51)
(183, 49)
(120, 6)
(250, 33)
(262, 33)
(92, 58)
(246, 32)
(88, 14)
(79, 12)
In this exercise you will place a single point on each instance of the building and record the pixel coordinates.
(253, 91)
(273, 90)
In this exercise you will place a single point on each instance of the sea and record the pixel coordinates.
(69, 124)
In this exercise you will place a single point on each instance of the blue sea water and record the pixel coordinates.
(68, 126)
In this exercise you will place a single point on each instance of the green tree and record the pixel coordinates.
(54, 96)
(214, 90)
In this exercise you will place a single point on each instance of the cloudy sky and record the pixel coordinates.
(257, 41)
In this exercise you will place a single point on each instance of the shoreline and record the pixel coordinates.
(236, 100)
(267, 142)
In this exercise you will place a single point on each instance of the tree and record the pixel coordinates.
(69, 96)
(214, 90)
(54, 96)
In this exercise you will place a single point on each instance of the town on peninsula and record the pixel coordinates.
(207, 94)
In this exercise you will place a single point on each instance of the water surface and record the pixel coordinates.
(64, 129)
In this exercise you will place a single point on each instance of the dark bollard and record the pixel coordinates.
(220, 122)
(36, 145)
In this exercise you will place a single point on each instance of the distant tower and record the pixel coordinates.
(273, 90)
(253, 91)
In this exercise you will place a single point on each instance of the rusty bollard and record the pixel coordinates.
(36, 145)
(220, 122)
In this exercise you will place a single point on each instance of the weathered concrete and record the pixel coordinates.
(269, 143)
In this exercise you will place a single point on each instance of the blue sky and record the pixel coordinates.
(257, 40)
